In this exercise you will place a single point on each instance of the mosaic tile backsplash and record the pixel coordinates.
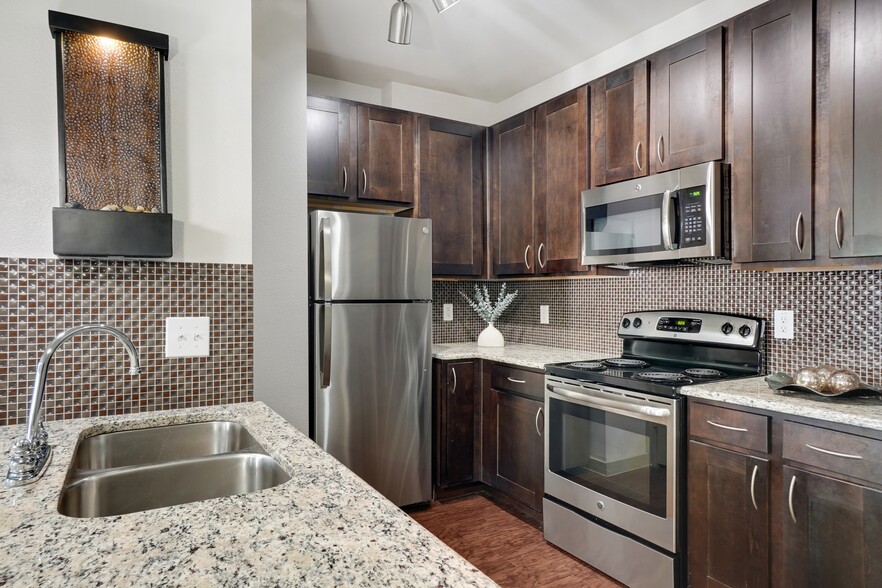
(88, 376)
(838, 314)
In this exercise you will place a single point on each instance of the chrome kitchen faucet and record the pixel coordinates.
(30, 454)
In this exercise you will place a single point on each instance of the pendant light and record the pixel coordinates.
(400, 23)
(442, 5)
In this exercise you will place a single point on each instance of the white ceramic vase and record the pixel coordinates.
(491, 337)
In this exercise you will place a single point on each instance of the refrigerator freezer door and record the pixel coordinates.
(369, 257)
(372, 393)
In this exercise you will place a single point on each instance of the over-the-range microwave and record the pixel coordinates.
(668, 217)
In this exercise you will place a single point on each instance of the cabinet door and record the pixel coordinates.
(832, 532)
(728, 518)
(687, 103)
(511, 145)
(458, 424)
(619, 125)
(855, 137)
(452, 194)
(561, 176)
(330, 147)
(772, 80)
(385, 154)
(515, 446)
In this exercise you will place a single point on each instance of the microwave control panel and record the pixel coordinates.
(692, 216)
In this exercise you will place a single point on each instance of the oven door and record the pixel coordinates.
(613, 454)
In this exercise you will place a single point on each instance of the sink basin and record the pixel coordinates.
(137, 470)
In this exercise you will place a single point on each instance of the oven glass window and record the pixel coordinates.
(629, 226)
(619, 456)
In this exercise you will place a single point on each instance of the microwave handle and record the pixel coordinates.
(667, 220)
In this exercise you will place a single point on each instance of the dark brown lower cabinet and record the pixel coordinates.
(832, 532)
(728, 518)
(513, 445)
(455, 422)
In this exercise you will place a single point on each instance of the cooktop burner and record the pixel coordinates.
(704, 373)
(592, 366)
(663, 377)
(624, 362)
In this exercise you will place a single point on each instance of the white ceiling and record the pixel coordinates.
(484, 49)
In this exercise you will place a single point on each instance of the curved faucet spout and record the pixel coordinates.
(31, 453)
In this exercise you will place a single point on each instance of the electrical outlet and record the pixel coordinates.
(543, 314)
(187, 336)
(783, 324)
(448, 312)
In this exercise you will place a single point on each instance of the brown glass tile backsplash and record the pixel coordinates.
(88, 376)
(837, 314)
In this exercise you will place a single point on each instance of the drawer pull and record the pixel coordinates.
(753, 487)
(510, 379)
(727, 427)
(790, 498)
(835, 453)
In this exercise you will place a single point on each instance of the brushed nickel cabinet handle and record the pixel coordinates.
(727, 427)
(658, 149)
(790, 498)
(345, 180)
(453, 391)
(753, 486)
(526, 262)
(364, 178)
(538, 414)
(637, 155)
(798, 232)
(539, 255)
(834, 453)
(837, 227)
(516, 381)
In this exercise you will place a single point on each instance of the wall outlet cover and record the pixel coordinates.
(187, 336)
(543, 314)
(783, 324)
(448, 312)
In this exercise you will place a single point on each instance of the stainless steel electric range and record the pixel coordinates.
(613, 451)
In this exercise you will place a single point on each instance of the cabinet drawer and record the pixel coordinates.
(842, 453)
(521, 382)
(734, 427)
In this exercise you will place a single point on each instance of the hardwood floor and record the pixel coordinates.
(512, 552)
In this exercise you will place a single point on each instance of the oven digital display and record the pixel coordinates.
(679, 324)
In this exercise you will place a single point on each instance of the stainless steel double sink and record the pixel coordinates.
(142, 469)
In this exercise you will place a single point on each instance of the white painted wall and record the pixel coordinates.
(425, 101)
(208, 111)
(278, 88)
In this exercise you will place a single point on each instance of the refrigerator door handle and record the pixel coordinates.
(325, 346)
(324, 261)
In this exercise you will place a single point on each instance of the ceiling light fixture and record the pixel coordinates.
(442, 5)
(400, 22)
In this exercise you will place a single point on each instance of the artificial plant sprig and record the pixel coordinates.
(486, 309)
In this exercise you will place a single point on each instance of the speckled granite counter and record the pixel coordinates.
(755, 393)
(325, 527)
(529, 356)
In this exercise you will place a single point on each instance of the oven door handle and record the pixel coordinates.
(623, 406)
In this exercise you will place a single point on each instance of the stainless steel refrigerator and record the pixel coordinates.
(371, 337)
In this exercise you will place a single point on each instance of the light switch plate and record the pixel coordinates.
(543, 314)
(187, 336)
(783, 324)
(448, 312)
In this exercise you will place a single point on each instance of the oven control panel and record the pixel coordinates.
(698, 327)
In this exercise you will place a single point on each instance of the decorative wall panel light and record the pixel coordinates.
(111, 131)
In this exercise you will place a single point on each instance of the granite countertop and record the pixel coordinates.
(325, 527)
(529, 356)
(755, 393)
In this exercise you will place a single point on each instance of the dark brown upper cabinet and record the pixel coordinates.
(561, 176)
(359, 152)
(385, 154)
(855, 121)
(511, 188)
(452, 194)
(620, 125)
(331, 148)
(772, 118)
(686, 124)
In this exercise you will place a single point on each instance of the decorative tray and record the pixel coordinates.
(782, 383)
